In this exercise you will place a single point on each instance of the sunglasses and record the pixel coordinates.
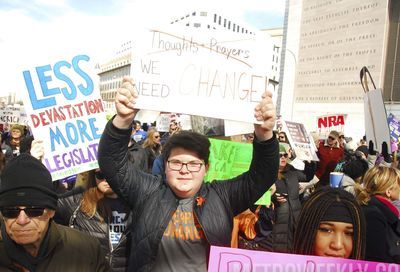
(156, 137)
(331, 138)
(281, 137)
(29, 211)
(286, 155)
(99, 175)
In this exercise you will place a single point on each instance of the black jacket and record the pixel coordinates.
(286, 213)
(153, 202)
(383, 233)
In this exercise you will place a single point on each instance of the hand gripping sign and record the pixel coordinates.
(376, 125)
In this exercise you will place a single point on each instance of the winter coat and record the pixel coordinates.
(68, 213)
(286, 213)
(153, 202)
(383, 233)
(68, 251)
(328, 158)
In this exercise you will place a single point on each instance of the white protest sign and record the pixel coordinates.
(300, 141)
(10, 115)
(211, 73)
(376, 125)
(64, 109)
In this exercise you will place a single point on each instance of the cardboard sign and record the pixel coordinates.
(240, 260)
(64, 109)
(376, 125)
(216, 74)
(300, 141)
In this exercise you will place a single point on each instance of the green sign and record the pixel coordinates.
(230, 159)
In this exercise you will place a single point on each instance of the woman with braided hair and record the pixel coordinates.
(330, 224)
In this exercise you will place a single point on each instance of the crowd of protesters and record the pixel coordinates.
(147, 208)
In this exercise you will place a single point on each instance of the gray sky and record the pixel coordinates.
(45, 30)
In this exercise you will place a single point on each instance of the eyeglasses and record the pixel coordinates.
(286, 155)
(29, 211)
(99, 175)
(190, 166)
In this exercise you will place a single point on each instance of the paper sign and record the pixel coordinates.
(10, 115)
(64, 109)
(230, 159)
(300, 141)
(218, 74)
(239, 260)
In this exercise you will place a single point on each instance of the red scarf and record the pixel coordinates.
(388, 204)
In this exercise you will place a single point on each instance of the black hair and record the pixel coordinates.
(312, 213)
(191, 141)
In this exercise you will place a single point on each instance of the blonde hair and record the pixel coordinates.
(377, 180)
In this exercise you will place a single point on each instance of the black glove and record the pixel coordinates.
(371, 150)
(385, 153)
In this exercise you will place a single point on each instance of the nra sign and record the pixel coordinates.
(327, 123)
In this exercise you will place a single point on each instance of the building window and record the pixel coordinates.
(215, 18)
(229, 25)
(234, 27)
(196, 25)
(203, 13)
(219, 20)
(224, 22)
(187, 24)
(194, 14)
(208, 26)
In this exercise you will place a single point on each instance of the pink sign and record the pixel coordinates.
(240, 260)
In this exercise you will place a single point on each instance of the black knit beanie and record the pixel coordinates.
(356, 168)
(25, 181)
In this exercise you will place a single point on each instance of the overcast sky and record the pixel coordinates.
(45, 29)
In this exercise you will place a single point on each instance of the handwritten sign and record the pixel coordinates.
(10, 115)
(64, 109)
(217, 74)
(239, 260)
(300, 141)
(228, 159)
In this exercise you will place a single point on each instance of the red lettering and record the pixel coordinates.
(322, 122)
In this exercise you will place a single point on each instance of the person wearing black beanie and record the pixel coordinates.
(331, 210)
(30, 240)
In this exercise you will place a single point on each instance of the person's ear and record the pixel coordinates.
(207, 166)
(50, 213)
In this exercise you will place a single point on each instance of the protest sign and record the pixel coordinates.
(164, 119)
(64, 109)
(327, 123)
(230, 159)
(300, 141)
(10, 115)
(240, 260)
(394, 127)
(216, 74)
(376, 125)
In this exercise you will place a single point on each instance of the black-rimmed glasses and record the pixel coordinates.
(192, 166)
(285, 155)
(13, 212)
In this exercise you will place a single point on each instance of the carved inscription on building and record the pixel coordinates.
(338, 38)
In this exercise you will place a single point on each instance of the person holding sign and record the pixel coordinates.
(177, 219)
(331, 225)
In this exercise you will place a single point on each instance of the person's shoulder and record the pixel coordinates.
(73, 236)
